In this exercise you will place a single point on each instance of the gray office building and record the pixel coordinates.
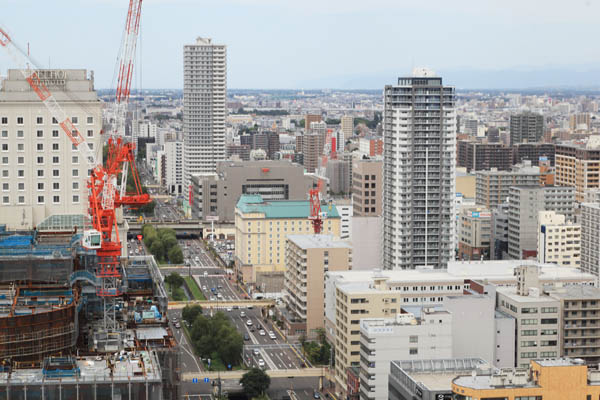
(590, 237)
(419, 136)
(216, 194)
(526, 128)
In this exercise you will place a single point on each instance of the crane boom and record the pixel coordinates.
(24, 63)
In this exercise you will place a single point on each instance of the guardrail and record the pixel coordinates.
(275, 373)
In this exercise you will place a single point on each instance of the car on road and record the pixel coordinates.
(205, 272)
(219, 296)
(242, 314)
(213, 298)
(219, 287)
(229, 309)
(249, 322)
(261, 363)
(246, 336)
(250, 307)
(178, 325)
(261, 332)
(316, 395)
(272, 335)
(256, 352)
(203, 287)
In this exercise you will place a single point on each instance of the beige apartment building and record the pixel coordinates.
(261, 229)
(42, 172)
(578, 166)
(559, 240)
(308, 258)
(474, 233)
(367, 189)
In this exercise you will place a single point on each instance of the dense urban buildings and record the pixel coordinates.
(43, 173)
(590, 237)
(418, 172)
(526, 128)
(559, 240)
(204, 108)
(578, 166)
(474, 233)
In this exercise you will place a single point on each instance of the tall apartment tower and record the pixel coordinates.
(347, 122)
(41, 172)
(526, 128)
(418, 173)
(204, 107)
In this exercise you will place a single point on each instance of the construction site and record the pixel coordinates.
(52, 333)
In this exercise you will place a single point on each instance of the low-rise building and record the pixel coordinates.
(261, 229)
(429, 379)
(308, 258)
(407, 336)
(474, 233)
(559, 240)
(547, 379)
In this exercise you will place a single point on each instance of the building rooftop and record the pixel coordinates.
(318, 242)
(254, 203)
(436, 374)
(511, 292)
(576, 292)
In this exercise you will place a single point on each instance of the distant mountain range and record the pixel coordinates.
(586, 78)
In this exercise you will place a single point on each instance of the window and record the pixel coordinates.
(40, 185)
(548, 332)
(90, 133)
(55, 186)
(413, 351)
(75, 160)
(529, 332)
(413, 339)
(40, 173)
(528, 343)
(532, 321)
(55, 147)
(20, 134)
(55, 133)
(91, 146)
(21, 186)
(549, 320)
(40, 160)
(5, 199)
(549, 309)
(21, 160)
(40, 133)
(4, 146)
(5, 173)
(75, 185)
(19, 120)
(90, 120)
(40, 200)
(74, 120)
(526, 310)
(40, 147)
(4, 120)
(39, 120)
(5, 134)
(20, 173)
(54, 121)
(55, 173)
(529, 354)
(5, 187)
(75, 198)
(75, 172)
(55, 160)
(21, 199)
(4, 160)
(56, 199)
(529, 397)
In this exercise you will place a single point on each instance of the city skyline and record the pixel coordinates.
(352, 45)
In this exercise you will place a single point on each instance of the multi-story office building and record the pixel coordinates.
(406, 336)
(536, 314)
(366, 187)
(347, 127)
(371, 146)
(308, 258)
(579, 122)
(240, 150)
(499, 240)
(204, 107)
(474, 233)
(309, 119)
(261, 229)
(337, 171)
(534, 152)
(419, 127)
(579, 166)
(471, 126)
(174, 167)
(492, 187)
(216, 194)
(477, 156)
(526, 128)
(353, 295)
(559, 240)
(590, 237)
(42, 172)
(525, 203)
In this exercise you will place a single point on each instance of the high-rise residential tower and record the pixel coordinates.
(418, 172)
(526, 128)
(204, 107)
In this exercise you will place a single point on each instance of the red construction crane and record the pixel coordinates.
(314, 203)
(103, 197)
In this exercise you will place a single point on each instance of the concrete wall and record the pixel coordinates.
(366, 242)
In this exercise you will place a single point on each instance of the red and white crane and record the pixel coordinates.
(103, 198)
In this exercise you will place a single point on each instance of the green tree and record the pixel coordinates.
(190, 312)
(175, 255)
(321, 336)
(255, 382)
(157, 249)
(174, 279)
(302, 123)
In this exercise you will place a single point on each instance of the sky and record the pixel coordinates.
(309, 44)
